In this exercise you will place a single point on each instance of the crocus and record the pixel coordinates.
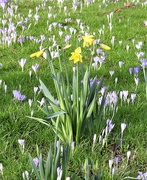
(30, 101)
(123, 126)
(110, 163)
(130, 70)
(22, 144)
(1, 168)
(36, 161)
(111, 73)
(128, 155)
(25, 175)
(121, 63)
(18, 96)
(136, 70)
(76, 55)
(142, 176)
(88, 40)
(22, 63)
(117, 159)
(35, 67)
(103, 46)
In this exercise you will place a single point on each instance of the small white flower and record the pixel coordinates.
(123, 126)
(145, 23)
(25, 175)
(110, 163)
(1, 168)
(30, 101)
(22, 63)
(21, 143)
(94, 138)
(128, 154)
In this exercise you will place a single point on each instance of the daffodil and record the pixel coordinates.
(88, 40)
(105, 47)
(76, 55)
(37, 54)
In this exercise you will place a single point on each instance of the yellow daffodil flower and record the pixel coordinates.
(105, 47)
(76, 56)
(37, 54)
(88, 40)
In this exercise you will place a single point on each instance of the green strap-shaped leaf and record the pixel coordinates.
(41, 167)
(56, 114)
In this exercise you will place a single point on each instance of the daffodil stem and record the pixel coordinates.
(78, 123)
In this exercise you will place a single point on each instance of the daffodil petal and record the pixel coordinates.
(105, 47)
(88, 40)
(78, 50)
(39, 53)
(33, 55)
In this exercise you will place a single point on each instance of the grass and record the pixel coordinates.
(127, 25)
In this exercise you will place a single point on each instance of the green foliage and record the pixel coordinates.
(92, 170)
(56, 164)
(78, 108)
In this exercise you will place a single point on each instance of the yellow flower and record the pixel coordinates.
(37, 54)
(88, 40)
(105, 47)
(76, 56)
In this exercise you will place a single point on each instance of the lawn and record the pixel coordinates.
(44, 99)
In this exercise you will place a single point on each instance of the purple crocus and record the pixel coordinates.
(22, 144)
(36, 161)
(136, 70)
(121, 63)
(67, 38)
(142, 176)
(18, 96)
(91, 81)
(111, 72)
(143, 62)
(35, 67)
(73, 144)
(110, 126)
(21, 40)
(130, 70)
(3, 3)
(117, 159)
